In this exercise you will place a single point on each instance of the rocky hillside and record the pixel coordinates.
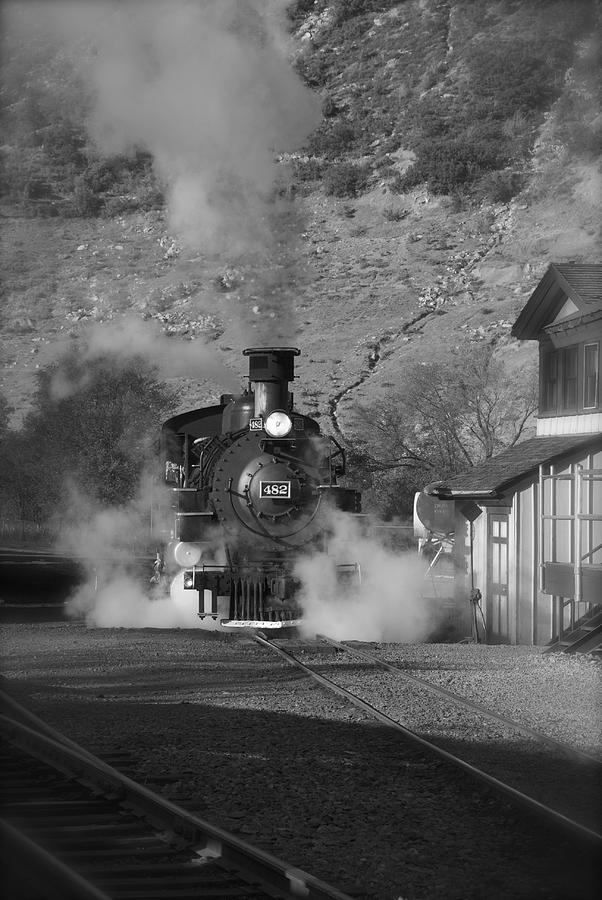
(451, 154)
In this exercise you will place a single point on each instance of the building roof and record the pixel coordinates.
(494, 475)
(581, 283)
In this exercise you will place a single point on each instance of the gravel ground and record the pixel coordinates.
(248, 742)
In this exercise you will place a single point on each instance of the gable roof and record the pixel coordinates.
(494, 475)
(581, 283)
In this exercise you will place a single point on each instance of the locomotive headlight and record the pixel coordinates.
(278, 424)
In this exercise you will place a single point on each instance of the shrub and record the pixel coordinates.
(509, 77)
(120, 204)
(446, 164)
(299, 9)
(571, 116)
(332, 138)
(64, 143)
(96, 419)
(499, 187)
(394, 214)
(329, 108)
(343, 10)
(85, 202)
(150, 194)
(308, 169)
(431, 117)
(345, 179)
(313, 69)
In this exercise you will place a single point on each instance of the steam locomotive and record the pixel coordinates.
(251, 482)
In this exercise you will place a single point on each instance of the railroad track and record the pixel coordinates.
(74, 828)
(575, 816)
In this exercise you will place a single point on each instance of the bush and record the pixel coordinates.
(313, 69)
(308, 169)
(150, 194)
(64, 143)
(345, 180)
(446, 164)
(431, 117)
(499, 187)
(329, 108)
(394, 214)
(117, 205)
(300, 9)
(85, 202)
(96, 419)
(343, 10)
(509, 77)
(571, 116)
(332, 139)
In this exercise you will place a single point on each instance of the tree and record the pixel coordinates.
(5, 411)
(92, 426)
(449, 416)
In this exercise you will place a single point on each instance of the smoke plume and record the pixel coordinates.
(117, 590)
(130, 337)
(383, 600)
(205, 86)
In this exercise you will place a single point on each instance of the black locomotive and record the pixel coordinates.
(255, 479)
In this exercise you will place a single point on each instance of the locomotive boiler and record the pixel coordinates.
(251, 484)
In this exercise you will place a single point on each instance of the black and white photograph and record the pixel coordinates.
(301, 449)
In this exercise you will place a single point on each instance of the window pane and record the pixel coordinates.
(549, 397)
(569, 379)
(591, 367)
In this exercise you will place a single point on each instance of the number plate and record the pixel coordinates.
(275, 490)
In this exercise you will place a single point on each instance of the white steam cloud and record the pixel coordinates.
(387, 603)
(205, 86)
(130, 337)
(117, 591)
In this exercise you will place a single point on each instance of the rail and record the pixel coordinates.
(467, 704)
(203, 840)
(547, 813)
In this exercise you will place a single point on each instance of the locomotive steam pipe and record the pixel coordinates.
(270, 371)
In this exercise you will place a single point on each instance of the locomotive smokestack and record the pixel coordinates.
(270, 371)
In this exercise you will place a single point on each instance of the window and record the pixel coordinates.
(591, 375)
(549, 389)
(568, 365)
(570, 378)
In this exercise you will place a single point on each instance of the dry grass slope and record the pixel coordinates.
(394, 273)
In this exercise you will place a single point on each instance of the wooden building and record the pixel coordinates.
(528, 522)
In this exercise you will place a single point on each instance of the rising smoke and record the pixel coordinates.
(384, 600)
(116, 591)
(131, 337)
(205, 86)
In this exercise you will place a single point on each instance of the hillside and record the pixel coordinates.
(436, 184)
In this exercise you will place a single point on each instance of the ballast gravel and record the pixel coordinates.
(238, 736)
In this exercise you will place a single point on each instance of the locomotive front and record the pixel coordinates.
(257, 477)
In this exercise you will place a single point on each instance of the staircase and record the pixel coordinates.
(585, 637)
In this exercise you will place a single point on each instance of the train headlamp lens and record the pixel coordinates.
(278, 424)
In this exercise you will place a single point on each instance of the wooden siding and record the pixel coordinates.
(527, 614)
(589, 423)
